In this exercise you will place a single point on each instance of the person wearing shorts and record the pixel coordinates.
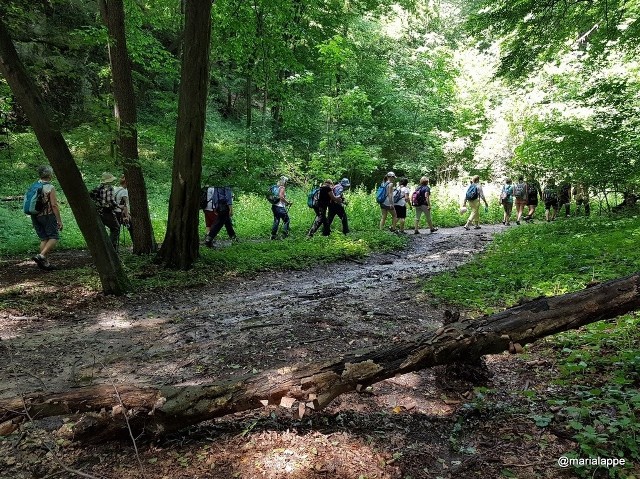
(400, 201)
(47, 224)
(387, 205)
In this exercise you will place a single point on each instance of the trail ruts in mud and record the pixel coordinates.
(236, 326)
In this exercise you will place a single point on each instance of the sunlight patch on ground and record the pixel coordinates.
(113, 319)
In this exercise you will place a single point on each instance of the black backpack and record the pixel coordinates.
(203, 197)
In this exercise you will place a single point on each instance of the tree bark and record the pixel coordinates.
(99, 414)
(180, 247)
(112, 275)
(126, 116)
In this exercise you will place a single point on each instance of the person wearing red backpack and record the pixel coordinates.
(421, 199)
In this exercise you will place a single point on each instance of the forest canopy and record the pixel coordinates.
(330, 89)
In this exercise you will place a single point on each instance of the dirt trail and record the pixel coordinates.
(237, 327)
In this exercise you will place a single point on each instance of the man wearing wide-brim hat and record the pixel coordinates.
(104, 196)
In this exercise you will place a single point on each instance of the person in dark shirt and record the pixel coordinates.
(222, 198)
(336, 208)
(325, 197)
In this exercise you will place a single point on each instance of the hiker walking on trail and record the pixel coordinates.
(279, 209)
(222, 202)
(564, 198)
(121, 195)
(336, 208)
(520, 194)
(506, 199)
(386, 200)
(325, 198)
(46, 217)
(581, 194)
(473, 196)
(104, 197)
(533, 188)
(210, 215)
(550, 198)
(400, 201)
(421, 199)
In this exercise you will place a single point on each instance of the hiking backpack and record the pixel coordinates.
(417, 198)
(381, 193)
(550, 194)
(520, 191)
(472, 192)
(221, 205)
(273, 195)
(313, 197)
(203, 197)
(34, 202)
(397, 195)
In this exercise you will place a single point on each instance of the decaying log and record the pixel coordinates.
(98, 413)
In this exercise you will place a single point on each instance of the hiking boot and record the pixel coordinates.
(416, 232)
(235, 239)
(466, 227)
(517, 222)
(208, 242)
(273, 237)
(433, 230)
(40, 260)
(477, 227)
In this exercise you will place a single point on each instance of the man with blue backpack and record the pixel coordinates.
(41, 203)
(473, 196)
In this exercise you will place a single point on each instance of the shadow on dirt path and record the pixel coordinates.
(239, 326)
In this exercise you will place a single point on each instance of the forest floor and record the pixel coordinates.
(420, 425)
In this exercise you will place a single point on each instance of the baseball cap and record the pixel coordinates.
(345, 182)
(391, 173)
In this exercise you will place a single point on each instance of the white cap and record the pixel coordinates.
(391, 173)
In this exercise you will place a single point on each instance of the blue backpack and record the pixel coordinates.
(472, 192)
(381, 193)
(273, 196)
(34, 201)
(313, 197)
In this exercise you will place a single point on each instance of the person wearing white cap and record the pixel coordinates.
(105, 199)
(387, 206)
(336, 208)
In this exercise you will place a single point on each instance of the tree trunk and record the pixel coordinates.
(180, 246)
(112, 275)
(126, 118)
(99, 413)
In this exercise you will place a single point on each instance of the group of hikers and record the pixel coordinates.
(327, 201)
(555, 198)
(41, 203)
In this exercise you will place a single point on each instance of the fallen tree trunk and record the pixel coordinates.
(100, 410)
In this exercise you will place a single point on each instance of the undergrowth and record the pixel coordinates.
(593, 391)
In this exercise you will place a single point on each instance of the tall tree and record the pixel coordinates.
(112, 275)
(126, 119)
(180, 246)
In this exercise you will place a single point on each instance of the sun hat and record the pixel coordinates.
(107, 178)
(391, 173)
(345, 182)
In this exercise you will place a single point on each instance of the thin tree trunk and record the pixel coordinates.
(112, 275)
(164, 409)
(126, 118)
(180, 246)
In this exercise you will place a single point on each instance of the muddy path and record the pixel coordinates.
(233, 327)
